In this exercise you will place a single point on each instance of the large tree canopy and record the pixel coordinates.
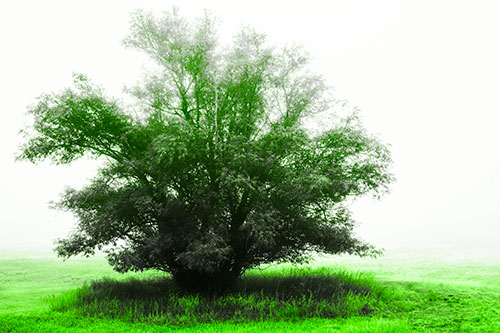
(214, 172)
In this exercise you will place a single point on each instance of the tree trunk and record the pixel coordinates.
(201, 282)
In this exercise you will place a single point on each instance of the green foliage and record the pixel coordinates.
(216, 172)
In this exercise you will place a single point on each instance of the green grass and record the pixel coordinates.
(333, 294)
(292, 294)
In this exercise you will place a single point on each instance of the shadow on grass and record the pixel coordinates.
(286, 295)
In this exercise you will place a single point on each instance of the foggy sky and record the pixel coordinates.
(426, 76)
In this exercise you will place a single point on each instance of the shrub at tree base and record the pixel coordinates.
(213, 170)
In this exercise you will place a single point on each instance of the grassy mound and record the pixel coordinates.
(287, 294)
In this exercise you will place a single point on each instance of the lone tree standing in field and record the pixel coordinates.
(217, 173)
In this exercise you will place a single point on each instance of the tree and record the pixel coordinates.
(215, 171)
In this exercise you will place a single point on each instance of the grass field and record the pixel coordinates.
(391, 294)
